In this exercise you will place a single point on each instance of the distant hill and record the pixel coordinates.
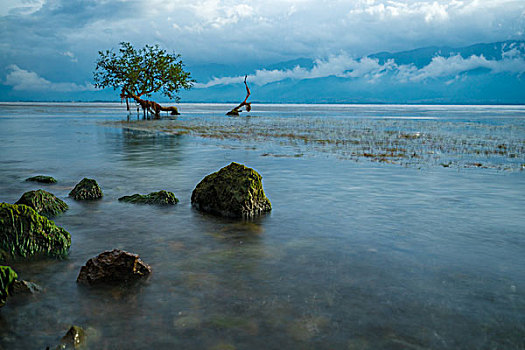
(423, 56)
(490, 73)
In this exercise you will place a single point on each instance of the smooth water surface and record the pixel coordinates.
(356, 254)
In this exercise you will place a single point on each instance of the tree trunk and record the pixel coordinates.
(248, 105)
(150, 106)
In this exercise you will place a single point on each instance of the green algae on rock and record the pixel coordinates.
(43, 179)
(86, 189)
(160, 198)
(235, 191)
(25, 233)
(7, 278)
(43, 202)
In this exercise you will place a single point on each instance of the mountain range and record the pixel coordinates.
(489, 73)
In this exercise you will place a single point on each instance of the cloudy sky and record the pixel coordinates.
(52, 44)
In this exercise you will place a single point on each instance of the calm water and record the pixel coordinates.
(356, 254)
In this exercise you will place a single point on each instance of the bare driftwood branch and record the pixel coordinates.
(245, 104)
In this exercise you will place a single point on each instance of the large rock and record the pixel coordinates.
(113, 267)
(43, 179)
(7, 279)
(160, 198)
(25, 233)
(234, 191)
(43, 202)
(86, 189)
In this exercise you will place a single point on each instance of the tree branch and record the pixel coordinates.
(248, 105)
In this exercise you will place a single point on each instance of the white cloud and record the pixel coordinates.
(240, 31)
(23, 80)
(370, 69)
(71, 56)
(453, 65)
(23, 7)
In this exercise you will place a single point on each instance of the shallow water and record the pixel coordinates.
(356, 254)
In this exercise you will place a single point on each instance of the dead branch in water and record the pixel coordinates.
(248, 105)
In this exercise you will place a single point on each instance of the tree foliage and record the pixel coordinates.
(141, 72)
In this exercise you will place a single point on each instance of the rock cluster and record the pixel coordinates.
(25, 233)
(43, 202)
(235, 191)
(113, 267)
(86, 189)
(159, 198)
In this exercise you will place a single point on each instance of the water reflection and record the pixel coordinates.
(145, 149)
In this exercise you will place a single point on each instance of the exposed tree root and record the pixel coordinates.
(148, 106)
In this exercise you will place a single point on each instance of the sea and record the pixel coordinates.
(393, 227)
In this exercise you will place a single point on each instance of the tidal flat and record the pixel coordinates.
(393, 227)
(419, 136)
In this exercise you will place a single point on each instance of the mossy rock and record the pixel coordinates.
(74, 338)
(7, 279)
(86, 189)
(43, 179)
(43, 202)
(25, 233)
(160, 198)
(235, 191)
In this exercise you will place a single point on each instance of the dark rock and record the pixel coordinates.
(161, 198)
(113, 267)
(43, 179)
(25, 233)
(7, 278)
(234, 191)
(25, 287)
(86, 189)
(233, 113)
(43, 202)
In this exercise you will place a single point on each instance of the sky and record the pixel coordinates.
(50, 46)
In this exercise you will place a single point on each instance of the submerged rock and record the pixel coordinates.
(25, 233)
(161, 198)
(7, 278)
(74, 338)
(25, 287)
(86, 189)
(234, 191)
(43, 202)
(43, 179)
(113, 267)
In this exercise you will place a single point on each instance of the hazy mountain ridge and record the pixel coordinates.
(423, 56)
(481, 73)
